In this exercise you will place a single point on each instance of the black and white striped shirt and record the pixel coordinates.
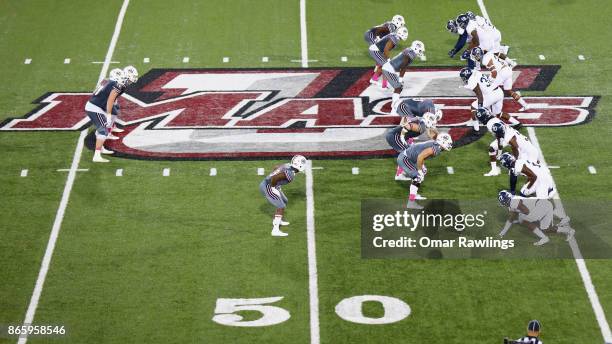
(529, 340)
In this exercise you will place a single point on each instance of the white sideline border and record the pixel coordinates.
(582, 268)
(59, 216)
(313, 289)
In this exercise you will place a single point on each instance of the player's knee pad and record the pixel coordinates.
(101, 134)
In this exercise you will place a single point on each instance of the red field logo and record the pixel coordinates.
(265, 113)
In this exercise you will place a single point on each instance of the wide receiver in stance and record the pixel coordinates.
(270, 188)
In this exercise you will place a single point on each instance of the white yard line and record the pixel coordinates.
(312, 258)
(59, 216)
(582, 268)
(57, 225)
(303, 34)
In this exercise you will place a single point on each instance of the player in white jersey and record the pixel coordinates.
(506, 136)
(488, 96)
(483, 34)
(539, 182)
(501, 73)
(535, 213)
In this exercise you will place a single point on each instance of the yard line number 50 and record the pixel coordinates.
(349, 309)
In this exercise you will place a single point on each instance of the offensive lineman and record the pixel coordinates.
(99, 108)
(488, 96)
(270, 188)
(395, 68)
(506, 136)
(535, 213)
(380, 51)
(409, 109)
(501, 73)
(413, 158)
(374, 34)
(539, 182)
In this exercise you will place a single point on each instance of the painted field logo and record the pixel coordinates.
(264, 113)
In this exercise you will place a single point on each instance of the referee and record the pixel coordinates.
(533, 332)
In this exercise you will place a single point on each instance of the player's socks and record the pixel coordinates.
(276, 226)
(98, 156)
(375, 77)
(399, 171)
(394, 99)
(384, 83)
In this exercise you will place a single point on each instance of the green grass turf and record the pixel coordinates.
(143, 258)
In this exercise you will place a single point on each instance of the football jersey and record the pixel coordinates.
(396, 62)
(413, 151)
(102, 93)
(529, 340)
(482, 80)
(393, 37)
(286, 170)
(415, 108)
(522, 141)
(498, 64)
(540, 171)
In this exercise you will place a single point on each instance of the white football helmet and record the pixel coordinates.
(438, 115)
(398, 21)
(116, 74)
(445, 141)
(131, 74)
(402, 33)
(429, 119)
(418, 47)
(298, 162)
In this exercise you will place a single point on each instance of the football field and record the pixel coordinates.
(170, 241)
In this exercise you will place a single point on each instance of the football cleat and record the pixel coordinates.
(542, 241)
(278, 233)
(413, 205)
(494, 172)
(106, 151)
(284, 223)
(117, 130)
(99, 159)
(112, 137)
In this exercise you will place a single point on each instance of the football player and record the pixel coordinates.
(270, 188)
(374, 34)
(535, 213)
(118, 75)
(412, 159)
(463, 38)
(501, 73)
(506, 136)
(400, 137)
(395, 68)
(539, 182)
(482, 33)
(409, 109)
(380, 51)
(488, 96)
(99, 108)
